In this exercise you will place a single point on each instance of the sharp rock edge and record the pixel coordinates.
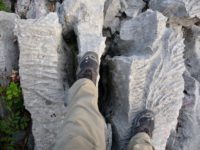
(143, 81)
(42, 62)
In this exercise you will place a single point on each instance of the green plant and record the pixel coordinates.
(17, 119)
(3, 6)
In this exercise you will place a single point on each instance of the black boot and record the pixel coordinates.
(144, 122)
(88, 67)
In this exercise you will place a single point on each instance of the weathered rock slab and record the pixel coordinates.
(42, 76)
(192, 7)
(179, 9)
(22, 7)
(112, 10)
(147, 28)
(187, 133)
(9, 52)
(134, 7)
(37, 9)
(85, 17)
(32, 9)
(148, 80)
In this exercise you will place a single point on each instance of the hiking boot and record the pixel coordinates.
(88, 67)
(144, 122)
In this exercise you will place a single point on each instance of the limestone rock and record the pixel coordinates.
(170, 8)
(111, 14)
(148, 80)
(85, 17)
(134, 7)
(42, 76)
(177, 8)
(114, 9)
(22, 7)
(31, 9)
(8, 46)
(192, 7)
(37, 9)
(187, 133)
(146, 28)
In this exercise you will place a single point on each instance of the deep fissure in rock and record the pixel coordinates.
(105, 89)
(70, 46)
(146, 5)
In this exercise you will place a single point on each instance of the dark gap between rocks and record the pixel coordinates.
(70, 46)
(105, 103)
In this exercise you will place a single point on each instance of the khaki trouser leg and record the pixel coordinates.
(84, 127)
(140, 141)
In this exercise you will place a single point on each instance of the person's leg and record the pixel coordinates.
(142, 131)
(84, 127)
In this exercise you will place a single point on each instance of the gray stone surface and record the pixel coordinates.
(111, 14)
(8, 45)
(177, 8)
(85, 17)
(22, 7)
(170, 8)
(147, 73)
(114, 9)
(32, 9)
(188, 135)
(192, 7)
(42, 76)
(37, 9)
(147, 28)
(148, 80)
(134, 7)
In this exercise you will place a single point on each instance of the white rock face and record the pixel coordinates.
(147, 73)
(192, 7)
(85, 17)
(37, 9)
(42, 76)
(188, 134)
(148, 32)
(32, 9)
(148, 80)
(114, 8)
(133, 7)
(177, 8)
(111, 14)
(8, 45)
(22, 7)
(170, 8)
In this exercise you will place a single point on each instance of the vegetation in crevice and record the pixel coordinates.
(4, 7)
(15, 124)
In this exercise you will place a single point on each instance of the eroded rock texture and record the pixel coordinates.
(177, 8)
(143, 80)
(22, 7)
(33, 9)
(85, 17)
(111, 10)
(8, 45)
(193, 7)
(187, 133)
(37, 9)
(145, 63)
(42, 76)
